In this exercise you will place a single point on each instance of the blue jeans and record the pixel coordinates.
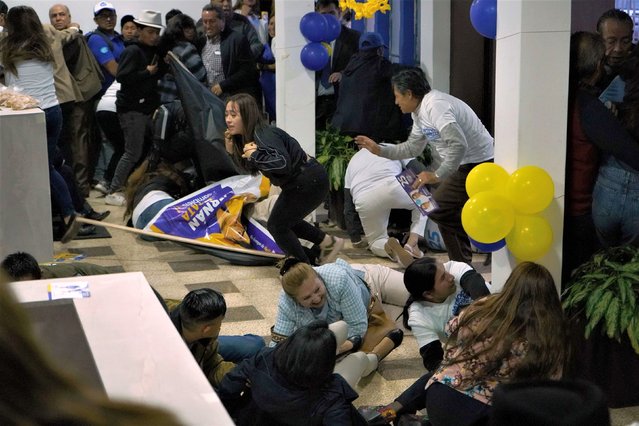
(238, 348)
(615, 204)
(59, 189)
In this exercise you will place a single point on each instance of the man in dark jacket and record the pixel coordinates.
(366, 104)
(137, 99)
(226, 55)
(327, 81)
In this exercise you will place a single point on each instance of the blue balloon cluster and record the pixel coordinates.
(318, 28)
(483, 16)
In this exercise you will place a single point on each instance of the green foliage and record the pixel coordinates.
(334, 151)
(606, 288)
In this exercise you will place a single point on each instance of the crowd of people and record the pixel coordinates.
(100, 90)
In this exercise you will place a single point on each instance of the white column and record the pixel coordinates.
(25, 198)
(295, 85)
(434, 42)
(531, 96)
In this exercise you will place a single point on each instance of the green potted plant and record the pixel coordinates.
(334, 151)
(601, 302)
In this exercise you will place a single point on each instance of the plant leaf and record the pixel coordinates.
(612, 317)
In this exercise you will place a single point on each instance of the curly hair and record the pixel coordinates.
(25, 39)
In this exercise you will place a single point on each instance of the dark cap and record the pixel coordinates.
(371, 40)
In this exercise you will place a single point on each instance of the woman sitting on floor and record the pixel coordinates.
(518, 334)
(291, 384)
(339, 291)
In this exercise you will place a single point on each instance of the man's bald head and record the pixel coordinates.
(59, 16)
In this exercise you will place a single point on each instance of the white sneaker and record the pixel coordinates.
(102, 187)
(115, 199)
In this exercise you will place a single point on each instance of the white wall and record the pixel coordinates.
(82, 10)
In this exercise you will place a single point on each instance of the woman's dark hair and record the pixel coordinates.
(25, 39)
(412, 79)
(527, 310)
(201, 306)
(170, 14)
(307, 358)
(418, 278)
(252, 120)
(174, 32)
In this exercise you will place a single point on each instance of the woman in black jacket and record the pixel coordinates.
(291, 384)
(257, 147)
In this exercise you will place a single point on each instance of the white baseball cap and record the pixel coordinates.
(101, 6)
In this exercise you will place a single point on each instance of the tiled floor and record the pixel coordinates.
(251, 294)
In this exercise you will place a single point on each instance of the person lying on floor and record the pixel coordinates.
(198, 318)
(291, 384)
(438, 291)
(338, 291)
(21, 266)
(518, 334)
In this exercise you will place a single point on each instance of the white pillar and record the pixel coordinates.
(434, 42)
(295, 85)
(531, 97)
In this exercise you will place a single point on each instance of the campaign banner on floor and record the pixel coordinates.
(213, 214)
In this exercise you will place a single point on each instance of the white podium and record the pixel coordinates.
(25, 198)
(139, 354)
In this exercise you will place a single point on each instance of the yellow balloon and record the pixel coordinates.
(530, 238)
(487, 217)
(486, 177)
(530, 189)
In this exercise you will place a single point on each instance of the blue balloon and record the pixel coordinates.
(483, 15)
(314, 56)
(334, 28)
(488, 247)
(313, 26)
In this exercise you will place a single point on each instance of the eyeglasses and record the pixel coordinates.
(106, 16)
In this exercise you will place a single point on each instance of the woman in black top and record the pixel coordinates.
(257, 147)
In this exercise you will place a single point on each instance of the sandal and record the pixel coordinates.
(329, 253)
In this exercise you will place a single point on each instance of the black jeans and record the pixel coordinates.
(299, 197)
(445, 405)
(353, 223)
(451, 196)
(112, 132)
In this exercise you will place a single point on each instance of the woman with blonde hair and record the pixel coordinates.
(258, 147)
(518, 334)
(350, 299)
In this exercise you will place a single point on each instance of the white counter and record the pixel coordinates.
(139, 354)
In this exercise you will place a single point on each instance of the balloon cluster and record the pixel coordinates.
(320, 30)
(483, 16)
(502, 210)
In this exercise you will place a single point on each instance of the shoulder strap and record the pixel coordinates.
(106, 38)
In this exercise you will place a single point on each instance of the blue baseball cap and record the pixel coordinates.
(371, 40)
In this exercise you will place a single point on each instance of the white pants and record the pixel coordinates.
(355, 365)
(374, 209)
